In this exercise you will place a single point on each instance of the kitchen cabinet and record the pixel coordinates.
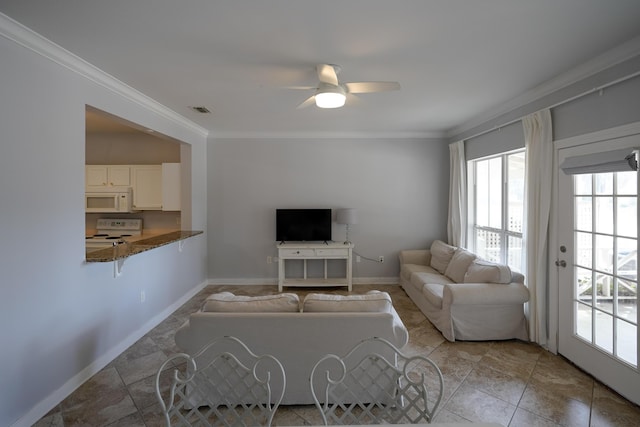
(147, 187)
(107, 175)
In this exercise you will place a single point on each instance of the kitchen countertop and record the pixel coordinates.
(128, 249)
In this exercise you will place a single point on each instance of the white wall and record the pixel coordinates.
(63, 319)
(398, 186)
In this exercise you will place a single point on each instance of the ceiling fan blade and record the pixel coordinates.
(301, 87)
(327, 74)
(368, 87)
(307, 102)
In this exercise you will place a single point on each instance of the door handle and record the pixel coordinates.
(561, 263)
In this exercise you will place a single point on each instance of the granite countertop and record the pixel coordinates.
(125, 250)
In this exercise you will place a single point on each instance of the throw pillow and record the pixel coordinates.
(459, 264)
(226, 302)
(372, 302)
(441, 254)
(481, 271)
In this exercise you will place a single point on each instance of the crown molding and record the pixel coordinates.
(327, 135)
(29, 39)
(617, 55)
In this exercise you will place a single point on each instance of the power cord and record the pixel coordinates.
(367, 258)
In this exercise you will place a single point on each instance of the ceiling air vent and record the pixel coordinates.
(203, 110)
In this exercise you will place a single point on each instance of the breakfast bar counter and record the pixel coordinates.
(126, 249)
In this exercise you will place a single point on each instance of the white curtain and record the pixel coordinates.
(538, 186)
(457, 222)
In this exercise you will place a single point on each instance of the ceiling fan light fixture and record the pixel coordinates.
(330, 97)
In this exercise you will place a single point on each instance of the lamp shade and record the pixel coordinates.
(330, 96)
(347, 216)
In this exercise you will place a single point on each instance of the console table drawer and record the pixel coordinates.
(332, 252)
(292, 253)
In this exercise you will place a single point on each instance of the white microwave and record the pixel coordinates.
(108, 199)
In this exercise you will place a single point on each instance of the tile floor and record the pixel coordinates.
(512, 383)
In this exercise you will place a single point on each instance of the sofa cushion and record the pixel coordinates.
(433, 293)
(372, 301)
(229, 303)
(481, 271)
(460, 262)
(418, 280)
(441, 254)
(406, 270)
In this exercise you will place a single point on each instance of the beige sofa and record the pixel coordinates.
(297, 333)
(465, 297)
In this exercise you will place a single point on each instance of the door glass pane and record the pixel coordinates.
(627, 183)
(604, 183)
(627, 294)
(583, 184)
(627, 341)
(604, 331)
(583, 321)
(584, 283)
(604, 295)
(604, 215)
(604, 253)
(583, 206)
(627, 258)
(584, 250)
(626, 216)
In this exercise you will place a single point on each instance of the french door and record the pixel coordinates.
(597, 247)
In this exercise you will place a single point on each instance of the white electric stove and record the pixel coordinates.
(112, 231)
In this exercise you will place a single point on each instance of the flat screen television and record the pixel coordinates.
(296, 225)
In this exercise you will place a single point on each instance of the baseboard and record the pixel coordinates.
(267, 281)
(44, 406)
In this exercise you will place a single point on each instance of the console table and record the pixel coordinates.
(306, 251)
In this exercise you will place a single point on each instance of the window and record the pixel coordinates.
(497, 208)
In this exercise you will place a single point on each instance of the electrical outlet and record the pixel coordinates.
(143, 296)
(269, 260)
(358, 258)
(380, 259)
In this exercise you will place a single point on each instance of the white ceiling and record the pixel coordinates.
(455, 59)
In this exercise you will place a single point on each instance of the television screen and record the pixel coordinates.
(303, 225)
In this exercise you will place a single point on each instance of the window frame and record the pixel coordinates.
(503, 232)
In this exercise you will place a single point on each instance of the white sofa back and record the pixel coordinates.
(298, 340)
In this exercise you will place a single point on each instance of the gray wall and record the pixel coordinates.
(398, 186)
(64, 319)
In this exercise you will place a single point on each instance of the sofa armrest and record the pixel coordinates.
(415, 256)
(484, 294)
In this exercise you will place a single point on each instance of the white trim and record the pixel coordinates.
(327, 135)
(600, 63)
(45, 405)
(29, 39)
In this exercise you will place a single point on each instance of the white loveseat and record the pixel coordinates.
(298, 335)
(465, 297)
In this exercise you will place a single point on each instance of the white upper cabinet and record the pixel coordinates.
(155, 187)
(107, 175)
(147, 187)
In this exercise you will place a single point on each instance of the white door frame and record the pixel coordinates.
(554, 253)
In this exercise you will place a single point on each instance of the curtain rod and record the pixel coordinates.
(565, 101)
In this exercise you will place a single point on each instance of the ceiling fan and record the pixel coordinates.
(330, 93)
